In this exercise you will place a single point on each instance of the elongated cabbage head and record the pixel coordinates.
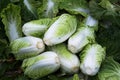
(83, 36)
(41, 65)
(36, 28)
(26, 47)
(60, 30)
(91, 59)
(69, 62)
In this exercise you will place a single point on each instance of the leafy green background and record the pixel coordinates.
(108, 35)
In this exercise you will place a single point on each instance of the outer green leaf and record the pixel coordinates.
(60, 30)
(110, 37)
(105, 11)
(27, 47)
(106, 4)
(12, 20)
(3, 4)
(95, 9)
(91, 59)
(75, 6)
(76, 77)
(109, 70)
(83, 36)
(41, 65)
(32, 6)
(36, 28)
(69, 62)
(48, 9)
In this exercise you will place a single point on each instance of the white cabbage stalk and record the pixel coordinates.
(36, 28)
(29, 6)
(27, 47)
(91, 22)
(81, 38)
(60, 30)
(69, 62)
(50, 7)
(32, 6)
(41, 65)
(91, 59)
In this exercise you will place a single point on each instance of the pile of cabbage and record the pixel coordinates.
(55, 42)
(62, 38)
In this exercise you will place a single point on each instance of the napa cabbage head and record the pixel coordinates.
(60, 30)
(41, 65)
(91, 58)
(26, 47)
